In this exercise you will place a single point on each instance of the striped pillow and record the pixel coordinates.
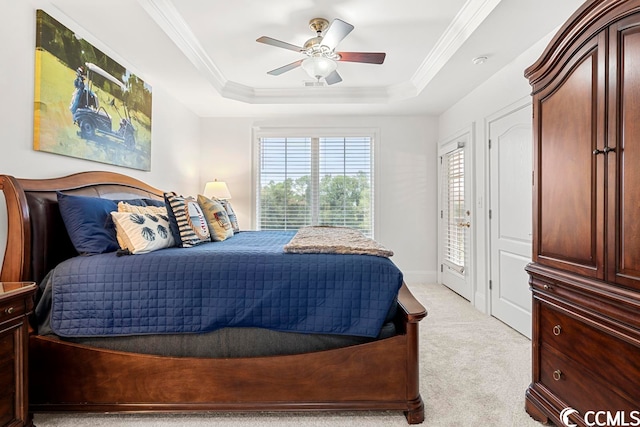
(188, 224)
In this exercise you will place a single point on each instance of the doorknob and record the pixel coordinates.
(464, 224)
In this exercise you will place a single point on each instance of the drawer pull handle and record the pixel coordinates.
(557, 375)
(8, 310)
(547, 287)
(556, 330)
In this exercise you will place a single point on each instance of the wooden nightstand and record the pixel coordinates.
(16, 303)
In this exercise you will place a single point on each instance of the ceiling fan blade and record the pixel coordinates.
(367, 57)
(279, 43)
(285, 68)
(336, 32)
(333, 78)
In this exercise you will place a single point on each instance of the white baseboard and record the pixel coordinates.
(480, 302)
(416, 277)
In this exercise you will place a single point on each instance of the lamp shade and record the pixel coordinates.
(319, 67)
(217, 189)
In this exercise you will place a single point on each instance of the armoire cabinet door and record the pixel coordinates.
(623, 197)
(568, 182)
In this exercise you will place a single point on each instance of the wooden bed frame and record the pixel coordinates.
(380, 375)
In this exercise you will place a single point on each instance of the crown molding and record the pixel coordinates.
(164, 13)
(468, 19)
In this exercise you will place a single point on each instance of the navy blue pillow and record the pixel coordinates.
(89, 224)
(146, 202)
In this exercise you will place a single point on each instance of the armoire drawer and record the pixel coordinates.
(578, 388)
(613, 360)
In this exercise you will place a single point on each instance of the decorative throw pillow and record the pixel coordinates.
(125, 206)
(142, 232)
(231, 213)
(155, 210)
(88, 222)
(187, 222)
(217, 218)
(147, 202)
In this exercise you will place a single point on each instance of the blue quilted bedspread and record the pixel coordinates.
(245, 281)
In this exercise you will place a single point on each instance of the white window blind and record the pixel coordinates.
(454, 209)
(284, 184)
(315, 181)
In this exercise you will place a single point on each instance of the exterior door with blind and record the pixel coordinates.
(455, 217)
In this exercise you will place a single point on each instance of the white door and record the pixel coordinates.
(455, 216)
(510, 170)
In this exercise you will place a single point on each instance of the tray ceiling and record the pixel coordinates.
(204, 53)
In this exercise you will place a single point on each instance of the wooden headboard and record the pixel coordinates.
(37, 239)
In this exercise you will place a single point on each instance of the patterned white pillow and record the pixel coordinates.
(126, 207)
(141, 232)
(217, 218)
(231, 214)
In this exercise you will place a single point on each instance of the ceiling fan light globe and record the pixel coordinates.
(318, 67)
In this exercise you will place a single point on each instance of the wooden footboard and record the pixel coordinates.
(380, 375)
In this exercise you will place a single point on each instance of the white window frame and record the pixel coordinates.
(314, 132)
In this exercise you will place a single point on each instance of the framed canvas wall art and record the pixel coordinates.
(86, 104)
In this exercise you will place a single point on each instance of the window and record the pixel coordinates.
(315, 181)
(454, 209)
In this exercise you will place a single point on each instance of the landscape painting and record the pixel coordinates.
(86, 104)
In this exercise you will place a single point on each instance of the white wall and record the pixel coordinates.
(405, 178)
(503, 89)
(175, 130)
(187, 151)
(406, 174)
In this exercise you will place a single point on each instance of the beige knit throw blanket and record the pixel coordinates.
(334, 240)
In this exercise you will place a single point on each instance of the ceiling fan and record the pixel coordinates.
(320, 62)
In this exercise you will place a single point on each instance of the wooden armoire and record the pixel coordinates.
(585, 272)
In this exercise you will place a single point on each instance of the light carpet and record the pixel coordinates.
(474, 371)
